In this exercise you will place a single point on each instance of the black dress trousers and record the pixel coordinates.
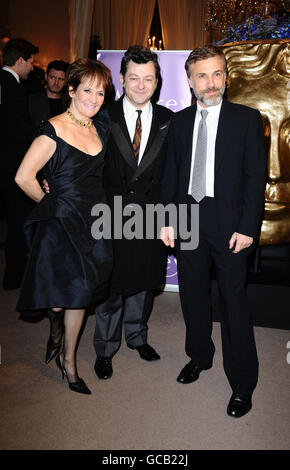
(194, 272)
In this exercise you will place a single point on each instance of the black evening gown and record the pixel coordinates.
(66, 266)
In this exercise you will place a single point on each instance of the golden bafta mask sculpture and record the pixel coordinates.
(259, 77)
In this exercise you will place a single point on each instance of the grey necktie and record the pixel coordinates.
(198, 185)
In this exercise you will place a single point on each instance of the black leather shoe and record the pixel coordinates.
(146, 352)
(239, 405)
(190, 373)
(103, 367)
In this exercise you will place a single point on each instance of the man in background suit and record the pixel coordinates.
(134, 166)
(50, 101)
(16, 133)
(217, 160)
(3, 41)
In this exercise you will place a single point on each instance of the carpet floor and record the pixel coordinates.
(141, 406)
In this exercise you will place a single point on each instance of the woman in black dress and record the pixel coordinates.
(67, 269)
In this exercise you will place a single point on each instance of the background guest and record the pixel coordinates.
(16, 134)
(35, 81)
(51, 101)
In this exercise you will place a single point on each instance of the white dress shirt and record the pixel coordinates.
(131, 116)
(211, 125)
(8, 69)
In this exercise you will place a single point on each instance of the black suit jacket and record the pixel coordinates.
(139, 264)
(39, 107)
(16, 135)
(122, 176)
(15, 124)
(240, 167)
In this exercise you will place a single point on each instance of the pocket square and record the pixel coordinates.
(163, 127)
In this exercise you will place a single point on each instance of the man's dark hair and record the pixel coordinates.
(202, 53)
(16, 48)
(139, 55)
(59, 65)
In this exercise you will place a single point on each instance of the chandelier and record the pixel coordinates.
(222, 13)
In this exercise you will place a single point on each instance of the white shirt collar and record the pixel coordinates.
(8, 69)
(130, 110)
(212, 110)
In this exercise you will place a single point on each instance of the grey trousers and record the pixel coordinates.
(133, 310)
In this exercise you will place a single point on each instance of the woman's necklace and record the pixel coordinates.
(89, 123)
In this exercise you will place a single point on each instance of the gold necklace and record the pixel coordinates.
(89, 123)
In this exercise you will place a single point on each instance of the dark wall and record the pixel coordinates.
(44, 23)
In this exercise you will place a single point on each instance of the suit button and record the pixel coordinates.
(137, 179)
(132, 192)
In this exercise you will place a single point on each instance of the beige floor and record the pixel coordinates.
(141, 406)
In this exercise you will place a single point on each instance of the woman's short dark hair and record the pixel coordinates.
(82, 69)
(140, 55)
(202, 53)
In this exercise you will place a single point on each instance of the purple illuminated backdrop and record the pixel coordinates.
(175, 95)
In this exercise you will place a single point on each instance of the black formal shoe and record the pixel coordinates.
(52, 350)
(190, 373)
(146, 352)
(239, 405)
(103, 367)
(79, 386)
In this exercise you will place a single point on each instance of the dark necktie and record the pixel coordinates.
(198, 185)
(137, 136)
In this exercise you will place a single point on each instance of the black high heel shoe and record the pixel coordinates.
(78, 386)
(52, 349)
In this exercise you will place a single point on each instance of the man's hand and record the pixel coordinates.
(167, 236)
(240, 242)
(45, 186)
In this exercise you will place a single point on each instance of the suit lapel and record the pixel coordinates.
(221, 137)
(222, 134)
(153, 130)
(124, 146)
(121, 134)
(188, 132)
(158, 133)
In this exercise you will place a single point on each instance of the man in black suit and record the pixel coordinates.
(50, 101)
(217, 160)
(16, 133)
(134, 166)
